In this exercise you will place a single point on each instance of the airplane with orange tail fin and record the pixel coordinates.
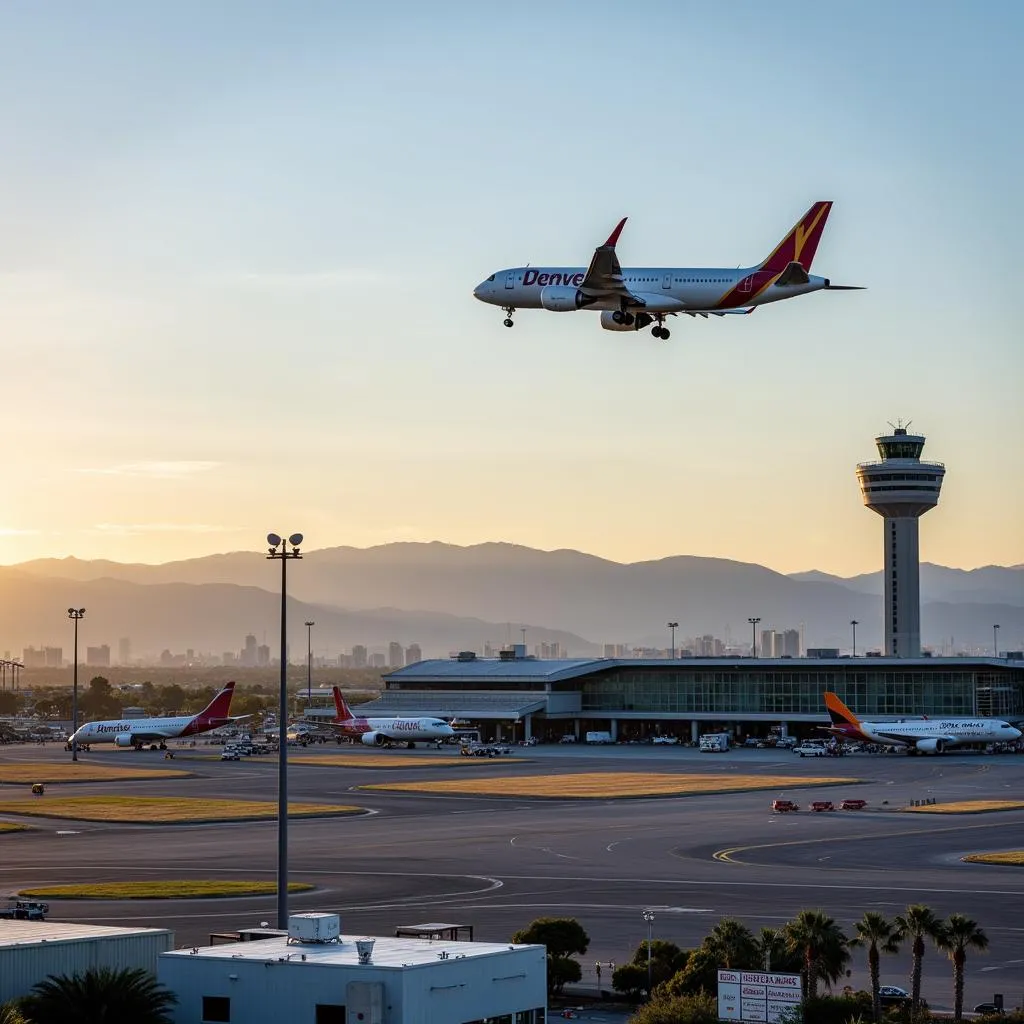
(917, 735)
(632, 298)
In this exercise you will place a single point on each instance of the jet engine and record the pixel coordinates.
(935, 746)
(560, 298)
(374, 739)
(123, 739)
(636, 321)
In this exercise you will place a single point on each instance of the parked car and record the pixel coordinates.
(810, 750)
(665, 739)
(893, 995)
(987, 1008)
(230, 755)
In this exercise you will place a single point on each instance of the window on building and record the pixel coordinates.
(330, 1013)
(217, 1009)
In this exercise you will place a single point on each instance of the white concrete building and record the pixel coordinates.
(352, 979)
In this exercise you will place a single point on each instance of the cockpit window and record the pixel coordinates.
(491, 278)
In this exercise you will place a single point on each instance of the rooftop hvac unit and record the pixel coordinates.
(466, 656)
(314, 928)
(364, 950)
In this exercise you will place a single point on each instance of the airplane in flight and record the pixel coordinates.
(919, 735)
(633, 298)
(379, 732)
(134, 732)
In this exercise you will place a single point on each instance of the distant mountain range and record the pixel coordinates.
(447, 597)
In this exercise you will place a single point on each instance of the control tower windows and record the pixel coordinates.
(902, 449)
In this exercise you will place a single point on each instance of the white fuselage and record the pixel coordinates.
(948, 732)
(147, 729)
(662, 289)
(398, 730)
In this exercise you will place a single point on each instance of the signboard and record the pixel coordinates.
(757, 996)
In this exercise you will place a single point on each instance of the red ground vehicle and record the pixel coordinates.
(853, 805)
(823, 805)
(784, 806)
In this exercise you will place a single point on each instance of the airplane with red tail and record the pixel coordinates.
(135, 732)
(380, 732)
(632, 298)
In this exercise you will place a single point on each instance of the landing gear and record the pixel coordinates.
(509, 310)
(659, 331)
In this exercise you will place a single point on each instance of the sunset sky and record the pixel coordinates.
(238, 243)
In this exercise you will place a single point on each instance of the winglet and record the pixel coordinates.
(614, 236)
(342, 709)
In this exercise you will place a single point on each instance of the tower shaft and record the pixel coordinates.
(902, 587)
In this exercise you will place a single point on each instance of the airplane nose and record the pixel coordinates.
(478, 291)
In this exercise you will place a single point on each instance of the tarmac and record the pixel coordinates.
(498, 863)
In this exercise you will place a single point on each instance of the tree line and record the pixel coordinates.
(680, 985)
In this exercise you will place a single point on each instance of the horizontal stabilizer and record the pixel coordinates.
(793, 274)
(829, 286)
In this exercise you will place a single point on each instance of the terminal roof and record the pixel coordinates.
(31, 933)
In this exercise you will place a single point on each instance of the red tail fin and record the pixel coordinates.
(800, 245)
(344, 714)
(217, 709)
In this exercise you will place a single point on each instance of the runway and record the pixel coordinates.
(498, 863)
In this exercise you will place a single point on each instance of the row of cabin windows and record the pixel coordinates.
(682, 280)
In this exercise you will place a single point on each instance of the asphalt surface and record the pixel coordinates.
(498, 863)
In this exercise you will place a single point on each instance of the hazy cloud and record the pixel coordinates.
(10, 531)
(169, 470)
(312, 280)
(129, 529)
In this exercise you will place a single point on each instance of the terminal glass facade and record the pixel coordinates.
(798, 691)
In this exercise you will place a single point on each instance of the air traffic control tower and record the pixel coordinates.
(901, 488)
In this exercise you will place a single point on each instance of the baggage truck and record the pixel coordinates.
(714, 743)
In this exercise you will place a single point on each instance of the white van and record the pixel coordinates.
(599, 737)
(714, 743)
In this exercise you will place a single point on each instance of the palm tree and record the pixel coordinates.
(879, 936)
(960, 933)
(822, 945)
(10, 1014)
(918, 922)
(770, 943)
(99, 996)
(734, 944)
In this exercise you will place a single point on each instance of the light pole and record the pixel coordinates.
(854, 623)
(75, 614)
(649, 918)
(279, 549)
(16, 667)
(995, 640)
(3, 674)
(753, 635)
(673, 626)
(309, 660)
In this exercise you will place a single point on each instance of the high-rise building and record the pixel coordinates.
(263, 655)
(790, 644)
(413, 653)
(54, 657)
(98, 656)
(124, 651)
(901, 488)
(396, 655)
(377, 659)
(249, 658)
(359, 656)
(33, 657)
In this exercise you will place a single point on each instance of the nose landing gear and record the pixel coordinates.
(508, 310)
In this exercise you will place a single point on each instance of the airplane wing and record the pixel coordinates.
(719, 312)
(909, 739)
(604, 275)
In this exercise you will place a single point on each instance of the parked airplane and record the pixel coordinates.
(134, 732)
(376, 732)
(927, 735)
(633, 298)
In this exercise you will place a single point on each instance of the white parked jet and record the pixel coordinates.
(134, 732)
(377, 732)
(927, 735)
(630, 299)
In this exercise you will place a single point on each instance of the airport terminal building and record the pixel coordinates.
(516, 698)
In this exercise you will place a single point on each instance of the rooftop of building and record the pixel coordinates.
(552, 670)
(388, 952)
(34, 933)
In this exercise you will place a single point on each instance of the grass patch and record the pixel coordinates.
(10, 826)
(185, 889)
(968, 807)
(163, 810)
(1008, 857)
(386, 760)
(33, 772)
(603, 785)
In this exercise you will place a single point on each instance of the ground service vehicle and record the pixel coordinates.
(714, 743)
(784, 806)
(811, 750)
(853, 805)
(599, 737)
(25, 910)
(822, 805)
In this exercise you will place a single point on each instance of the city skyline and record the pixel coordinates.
(240, 248)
